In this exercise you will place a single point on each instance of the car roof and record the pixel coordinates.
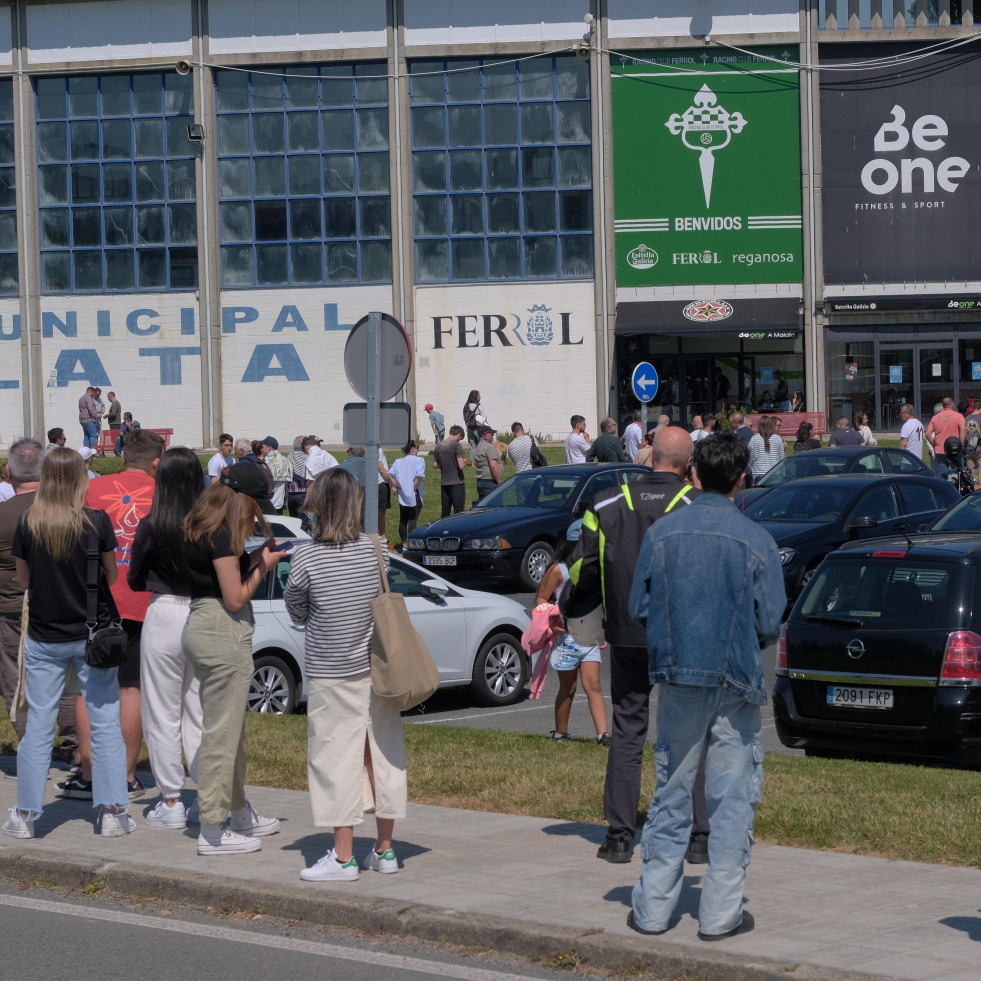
(579, 469)
(941, 544)
(855, 479)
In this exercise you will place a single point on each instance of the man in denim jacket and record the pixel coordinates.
(709, 671)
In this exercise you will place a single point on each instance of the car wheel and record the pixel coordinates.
(537, 558)
(273, 688)
(499, 671)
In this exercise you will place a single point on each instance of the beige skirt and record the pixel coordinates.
(341, 714)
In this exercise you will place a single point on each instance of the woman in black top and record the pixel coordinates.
(51, 549)
(804, 439)
(217, 640)
(474, 416)
(169, 696)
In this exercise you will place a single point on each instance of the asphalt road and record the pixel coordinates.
(453, 706)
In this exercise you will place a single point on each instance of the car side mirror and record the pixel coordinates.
(434, 590)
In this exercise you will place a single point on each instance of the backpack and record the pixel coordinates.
(537, 457)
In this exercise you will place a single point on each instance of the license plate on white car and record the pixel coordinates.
(439, 560)
(841, 696)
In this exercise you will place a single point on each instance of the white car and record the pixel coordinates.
(474, 637)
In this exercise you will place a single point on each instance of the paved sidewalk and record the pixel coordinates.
(534, 886)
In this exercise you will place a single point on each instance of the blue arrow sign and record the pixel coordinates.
(644, 382)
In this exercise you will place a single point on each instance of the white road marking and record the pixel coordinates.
(215, 932)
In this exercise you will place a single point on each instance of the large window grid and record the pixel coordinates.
(8, 191)
(116, 184)
(303, 175)
(501, 169)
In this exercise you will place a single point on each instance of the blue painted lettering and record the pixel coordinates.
(82, 364)
(330, 318)
(68, 326)
(187, 321)
(133, 322)
(9, 383)
(170, 361)
(289, 316)
(231, 317)
(261, 365)
(103, 322)
(13, 332)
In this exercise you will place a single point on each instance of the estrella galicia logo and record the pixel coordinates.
(708, 311)
(539, 326)
(642, 257)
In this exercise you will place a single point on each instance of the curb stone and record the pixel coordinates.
(317, 907)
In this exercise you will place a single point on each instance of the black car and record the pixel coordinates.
(881, 655)
(835, 460)
(965, 515)
(512, 533)
(811, 517)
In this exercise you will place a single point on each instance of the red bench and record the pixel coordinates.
(789, 422)
(107, 439)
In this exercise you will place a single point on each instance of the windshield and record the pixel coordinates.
(963, 516)
(815, 505)
(533, 489)
(809, 464)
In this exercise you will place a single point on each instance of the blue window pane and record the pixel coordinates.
(117, 182)
(180, 180)
(119, 228)
(371, 82)
(84, 140)
(429, 171)
(342, 262)
(503, 258)
(52, 141)
(267, 133)
(338, 174)
(500, 83)
(465, 172)
(429, 216)
(120, 272)
(376, 262)
(150, 225)
(52, 98)
(115, 95)
(466, 214)
(178, 94)
(148, 94)
(304, 174)
(428, 127)
(53, 185)
(149, 181)
(539, 212)
(372, 129)
(232, 91)
(373, 174)
(575, 211)
(302, 131)
(86, 183)
(267, 92)
(535, 79)
(463, 83)
(339, 218)
(575, 166)
(502, 168)
(427, 83)
(305, 219)
(271, 263)
(464, 125)
(538, 167)
(536, 123)
(270, 176)
(87, 270)
(56, 274)
(8, 273)
(501, 124)
(54, 228)
(375, 217)
(432, 261)
(270, 222)
(307, 263)
(117, 142)
(182, 224)
(237, 266)
(233, 134)
(235, 178)
(235, 222)
(336, 86)
(577, 255)
(178, 145)
(7, 187)
(301, 93)
(151, 268)
(574, 124)
(149, 137)
(183, 268)
(503, 214)
(338, 129)
(83, 96)
(468, 259)
(540, 257)
(571, 78)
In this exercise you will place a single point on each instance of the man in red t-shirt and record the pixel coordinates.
(125, 497)
(946, 423)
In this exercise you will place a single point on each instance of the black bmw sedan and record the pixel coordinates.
(511, 535)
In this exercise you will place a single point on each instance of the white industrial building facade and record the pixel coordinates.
(198, 198)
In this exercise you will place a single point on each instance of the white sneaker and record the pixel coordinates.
(111, 825)
(245, 821)
(329, 868)
(20, 824)
(219, 839)
(163, 816)
(385, 863)
(194, 813)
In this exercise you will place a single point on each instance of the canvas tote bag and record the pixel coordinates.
(402, 669)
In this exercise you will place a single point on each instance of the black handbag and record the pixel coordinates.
(105, 646)
(537, 457)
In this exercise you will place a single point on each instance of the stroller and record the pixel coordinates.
(957, 471)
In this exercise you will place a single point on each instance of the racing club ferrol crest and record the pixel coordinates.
(707, 311)
(539, 325)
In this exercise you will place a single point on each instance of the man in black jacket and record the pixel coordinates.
(604, 561)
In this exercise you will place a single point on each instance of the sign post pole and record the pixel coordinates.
(374, 414)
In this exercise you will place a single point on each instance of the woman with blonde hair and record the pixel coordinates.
(217, 640)
(52, 547)
(354, 737)
(766, 449)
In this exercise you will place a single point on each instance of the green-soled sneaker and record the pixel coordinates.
(386, 863)
(330, 869)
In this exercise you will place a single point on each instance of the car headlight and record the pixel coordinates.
(787, 555)
(484, 544)
(415, 545)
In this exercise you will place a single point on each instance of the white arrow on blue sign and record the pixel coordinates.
(644, 382)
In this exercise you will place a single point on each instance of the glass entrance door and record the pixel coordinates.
(918, 374)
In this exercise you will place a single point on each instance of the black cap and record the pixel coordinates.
(482, 431)
(247, 478)
(271, 441)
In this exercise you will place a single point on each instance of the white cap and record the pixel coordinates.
(86, 453)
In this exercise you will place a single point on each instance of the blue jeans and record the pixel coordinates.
(687, 715)
(46, 666)
(90, 434)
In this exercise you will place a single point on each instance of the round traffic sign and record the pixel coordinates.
(394, 355)
(644, 382)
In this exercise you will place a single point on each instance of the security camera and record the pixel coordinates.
(183, 68)
(583, 50)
